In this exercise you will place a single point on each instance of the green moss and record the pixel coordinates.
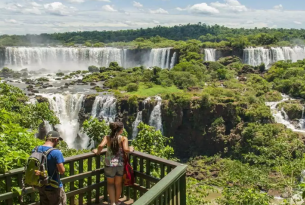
(143, 91)
(273, 96)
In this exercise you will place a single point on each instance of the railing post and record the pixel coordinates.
(71, 167)
(183, 190)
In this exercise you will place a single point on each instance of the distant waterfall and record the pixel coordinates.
(135, 125)
(155, 118)
(209, 54)
(160, 57)
(259, 55)
(174, 60)
(42, 57)
(104, 107)
(67, 107)
(72, 58)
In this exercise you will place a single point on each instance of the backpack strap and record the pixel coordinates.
(49, 150)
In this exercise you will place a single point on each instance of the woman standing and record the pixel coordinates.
(114, 161)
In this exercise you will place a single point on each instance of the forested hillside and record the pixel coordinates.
(238, 37)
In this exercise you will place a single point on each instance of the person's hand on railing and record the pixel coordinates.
(131, 149)
(94, 151)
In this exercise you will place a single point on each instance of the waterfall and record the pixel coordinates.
(160, 57)
(173, 60)
(278, 115)
(256, 56)
(79, 58)
(67, 107)
(104, 107)
(135, 125)
(48, 126)
(209, 54)
(155, 118)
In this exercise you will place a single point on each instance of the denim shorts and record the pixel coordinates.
(111, 172)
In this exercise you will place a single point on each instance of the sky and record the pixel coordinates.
(50, 16)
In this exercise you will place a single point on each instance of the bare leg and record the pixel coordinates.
(118, 187)
(111, 190)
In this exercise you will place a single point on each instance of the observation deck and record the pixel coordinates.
(158, 182)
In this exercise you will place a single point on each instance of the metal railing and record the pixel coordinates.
(157, 181)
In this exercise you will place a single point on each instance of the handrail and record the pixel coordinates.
(169, 187)
(153, 194)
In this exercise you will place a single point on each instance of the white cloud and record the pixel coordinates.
(297, 22)
(108, 8)
(278, 7)
(158, 11)
(137, 4)
(181, 9)
(156, 22)
(230, 5)
(57, 8)
(203, 8)
(104, 1)
(10, 21)
(76, 1)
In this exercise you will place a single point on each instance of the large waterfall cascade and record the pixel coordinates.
(104, 107)
(78, 58)
(280, 116)
(209, 54)
(67, 107)
(155, 118)
(259, 55)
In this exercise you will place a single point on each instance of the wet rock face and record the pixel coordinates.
(88, 103)
(2, 56)
(190, 125)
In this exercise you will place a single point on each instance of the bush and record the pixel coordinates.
(132, 87)
(184, 79)
(93, 69)
(60, 74)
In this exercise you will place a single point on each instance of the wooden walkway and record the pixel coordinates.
(123, 200)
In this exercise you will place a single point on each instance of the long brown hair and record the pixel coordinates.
(115, 127)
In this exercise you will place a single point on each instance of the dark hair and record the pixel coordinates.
(115, 127)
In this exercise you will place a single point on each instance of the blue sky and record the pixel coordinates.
(49, 16)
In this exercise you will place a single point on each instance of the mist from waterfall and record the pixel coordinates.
(67, 107)
(209, 54)
(155, 118)
(259, 55)
(104, 107)
(73, 58)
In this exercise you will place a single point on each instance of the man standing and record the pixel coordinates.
(53, 193)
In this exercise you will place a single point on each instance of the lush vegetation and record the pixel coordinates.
(161, 36)
(248, 158)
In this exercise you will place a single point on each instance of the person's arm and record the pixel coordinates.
(59, 161)
(126, 148)
(61, 169)
(101, 146)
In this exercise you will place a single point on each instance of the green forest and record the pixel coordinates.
(161, 36)
(234, 149)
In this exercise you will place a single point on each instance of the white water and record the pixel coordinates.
(67, 107)
(135, 125)
(70, 58)
(281, 117)
(209, 54)
(256, 56)
(104, 107)
(174, 60)
(160, 57)
(155, 118)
